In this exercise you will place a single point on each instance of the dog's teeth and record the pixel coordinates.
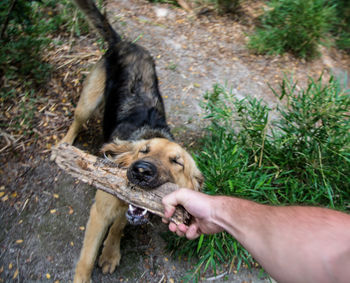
(144, 212)
(131, 208)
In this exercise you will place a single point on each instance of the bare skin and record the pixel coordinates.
(293, 244)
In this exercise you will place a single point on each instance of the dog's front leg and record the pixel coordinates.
(110, 256)
(103, 212)
(95, 231)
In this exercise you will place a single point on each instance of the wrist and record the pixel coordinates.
(219, 213)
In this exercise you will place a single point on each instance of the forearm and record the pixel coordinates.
(293, 244)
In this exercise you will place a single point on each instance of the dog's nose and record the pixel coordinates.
(143, 171)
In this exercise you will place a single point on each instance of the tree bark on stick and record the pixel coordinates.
(107, 176)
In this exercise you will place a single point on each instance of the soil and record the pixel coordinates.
(44, 211)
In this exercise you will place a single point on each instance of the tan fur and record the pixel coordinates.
(108, 209)
(90, 99)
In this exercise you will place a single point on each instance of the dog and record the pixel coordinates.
(136, 137)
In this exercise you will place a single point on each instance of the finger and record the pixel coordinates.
(182, 227)
(164, 220)
(193, 232)
(172, 227)
(179, 233)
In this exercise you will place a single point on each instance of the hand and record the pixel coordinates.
(199, 205)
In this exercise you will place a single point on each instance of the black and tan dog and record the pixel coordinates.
(135, 133)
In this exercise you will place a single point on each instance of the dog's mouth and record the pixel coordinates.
(137, 215)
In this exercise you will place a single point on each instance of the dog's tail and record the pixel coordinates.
(98, 21)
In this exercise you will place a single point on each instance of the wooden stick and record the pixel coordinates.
(107, 176)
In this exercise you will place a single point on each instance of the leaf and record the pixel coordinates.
(200, 242)
(15, 274)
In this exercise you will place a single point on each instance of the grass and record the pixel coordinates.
(296, 26)
(301, 157)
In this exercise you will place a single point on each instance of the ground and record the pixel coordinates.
(44, 211)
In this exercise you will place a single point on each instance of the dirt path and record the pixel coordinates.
(43, 211)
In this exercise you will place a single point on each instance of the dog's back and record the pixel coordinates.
(132, 96)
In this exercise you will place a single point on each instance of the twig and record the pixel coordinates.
(72, 30)
(18, 266)
(216, 277)
(107, 176)
(6, 22)
(263, 145)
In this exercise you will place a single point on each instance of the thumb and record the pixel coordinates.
(170, 201)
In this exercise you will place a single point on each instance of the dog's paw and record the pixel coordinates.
(109, 260)
(82, 273)
(82, 278)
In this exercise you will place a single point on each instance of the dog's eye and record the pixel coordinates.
(144, 150)
(177, 161)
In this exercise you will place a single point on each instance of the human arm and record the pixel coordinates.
(293, 244)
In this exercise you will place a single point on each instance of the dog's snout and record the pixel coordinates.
(143, 173)
(144, 169)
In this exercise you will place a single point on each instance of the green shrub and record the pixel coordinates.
(300, 157)
(26, 32)
(27, 29)
(341, 30)
(296, 26)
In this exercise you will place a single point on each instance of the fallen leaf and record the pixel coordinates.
(48, 276)
(20, 241)
(52, 211)
(10, 265)
(15, 274)
(56, 196)
(2, 194)
(70, 210)
(82, 228)
(5, 198)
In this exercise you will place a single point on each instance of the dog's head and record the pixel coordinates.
(151, 163)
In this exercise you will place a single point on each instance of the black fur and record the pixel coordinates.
(132, 96)
(133, 100)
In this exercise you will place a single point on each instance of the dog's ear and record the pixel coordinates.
(193, 172)
(123, 152)
(197, 180)
(117, 147)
